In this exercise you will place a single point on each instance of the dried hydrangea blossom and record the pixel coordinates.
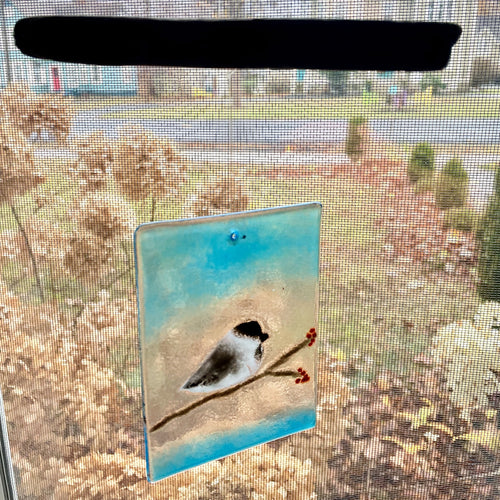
(9, 246)
(488, 316)
(105, 215)
(60, 404)
(260, 473)
(47, 241)
(146, 165)
(87, 255)
(32, 113)
(470, 354)
(104, 324)
(17, 169)
(220, 196)
(95, 158)
(106, 312)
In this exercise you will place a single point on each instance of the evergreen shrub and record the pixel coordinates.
(452, 186)
(421, 162)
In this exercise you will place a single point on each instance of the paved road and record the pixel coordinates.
(279, 132)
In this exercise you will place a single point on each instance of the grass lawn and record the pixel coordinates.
(273, 109)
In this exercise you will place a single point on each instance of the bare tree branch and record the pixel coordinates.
(36, 272)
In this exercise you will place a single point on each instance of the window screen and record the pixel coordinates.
(405, 165)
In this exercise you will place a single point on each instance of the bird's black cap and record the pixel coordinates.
(251, 329)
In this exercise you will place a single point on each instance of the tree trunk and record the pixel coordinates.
(236, 10)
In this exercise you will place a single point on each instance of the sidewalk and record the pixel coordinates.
(228, 157)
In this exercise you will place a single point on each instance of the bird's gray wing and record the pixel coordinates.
(219, 363)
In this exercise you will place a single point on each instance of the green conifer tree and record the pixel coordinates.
(488, 237)
(452, 186)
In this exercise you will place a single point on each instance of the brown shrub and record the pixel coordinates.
(17, 168)
(145, 165)
(220, 196)
(31, 113)
(95, 159)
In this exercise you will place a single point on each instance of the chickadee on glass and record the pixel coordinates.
(228, 331)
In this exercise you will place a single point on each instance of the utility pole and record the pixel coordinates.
(220, 9)
(144, 72)
(5, 39)
(236, 10)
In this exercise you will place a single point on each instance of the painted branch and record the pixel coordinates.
(288, 354)
(230, 390)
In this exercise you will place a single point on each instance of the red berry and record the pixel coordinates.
(314, 334)
(299, 370)
(310, 344)
(297, 380)
(308, 335)
(312, 330)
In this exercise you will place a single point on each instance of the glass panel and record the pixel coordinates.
(7, 482)
(239, 293)
(404, 165)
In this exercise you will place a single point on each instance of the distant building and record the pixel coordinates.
(487, 64)
(50, 76)
(480, 39)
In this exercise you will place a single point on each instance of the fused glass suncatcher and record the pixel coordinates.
(227, 314)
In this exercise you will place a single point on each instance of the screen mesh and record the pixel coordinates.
(405, 165)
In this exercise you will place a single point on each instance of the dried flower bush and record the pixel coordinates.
(105, 215)
(95, 159)
(145, 165)
(220, 196)
(471, 352)
(87, 255)
(260, 474)
(111, 324)
(60, 403)
(32, 113)
(18, 173)
(69, 365)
